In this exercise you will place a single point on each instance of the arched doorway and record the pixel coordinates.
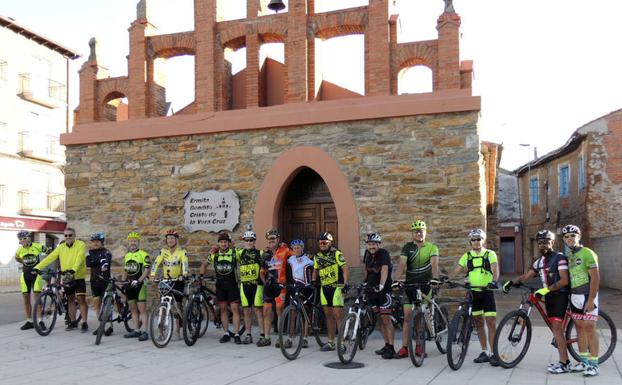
(308, 209)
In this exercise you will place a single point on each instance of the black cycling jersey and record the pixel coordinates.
(95, 259)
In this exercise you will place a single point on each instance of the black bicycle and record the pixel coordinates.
(198, 311)
(356, 326)
(429, 322)
(110, 299)
(303, 310)
(461, 327)
(51, 303)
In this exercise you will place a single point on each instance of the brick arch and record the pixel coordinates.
(335, 24)
(419, 53)
(106, 87)
(284, 169)
(272, 32)
(171, 45)
(233, 37)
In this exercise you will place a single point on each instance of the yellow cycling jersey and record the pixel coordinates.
(71, 258)
(29, 256)
(174, 264)
(329, 265)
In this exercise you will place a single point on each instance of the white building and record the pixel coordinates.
(34, 111)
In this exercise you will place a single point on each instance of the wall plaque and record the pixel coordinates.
(211, 210)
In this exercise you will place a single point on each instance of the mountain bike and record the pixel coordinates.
(198, 311)
(303, 310)
(51, 303)
(429, 322)
(163, 316)
(461, 326)
(514, 331)
(356, 326)
(110, 299)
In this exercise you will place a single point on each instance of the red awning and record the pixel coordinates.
(31, 224)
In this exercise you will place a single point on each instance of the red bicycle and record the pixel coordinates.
(514, 332)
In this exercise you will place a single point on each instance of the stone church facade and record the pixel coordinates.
(300, 160)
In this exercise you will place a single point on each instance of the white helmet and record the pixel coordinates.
(249, 235)
(477, 233)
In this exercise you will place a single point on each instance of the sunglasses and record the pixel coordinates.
(570, 235)
(324, 242)
(543, 242)
(476, 239)
(69, 235)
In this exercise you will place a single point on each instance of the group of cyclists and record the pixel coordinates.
(256, 281)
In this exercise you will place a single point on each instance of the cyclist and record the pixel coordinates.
(28, 254)
(227, 290)
(136, 266)
(275, 258)
(584, 281)
(300, 272)
(329, 266)
(99, 260)
(419, 259)
(72, 256)
(482, 271)
(378, 276)
(175, 266)
(250, 261)
(552, 267)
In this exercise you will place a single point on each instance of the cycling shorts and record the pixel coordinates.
(98, 288)
(251, 295)
(330, 296)
(31, 283)
(77, 287)
(408, 299)
(381, 302)
(556, 305)
(227, 291)
(577, 307)
(484, 303)
(136, 294)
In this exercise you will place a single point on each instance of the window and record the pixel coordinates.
(581, 169)
(4, 70)
(534, 190)
(564, 181)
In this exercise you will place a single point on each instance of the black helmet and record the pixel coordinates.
(23, 234)
(325, 236)
(224, 237)
(374, 237)
(571, 229)
(545, 234)
(273, 233)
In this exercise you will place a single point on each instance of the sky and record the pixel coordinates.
(542, 68)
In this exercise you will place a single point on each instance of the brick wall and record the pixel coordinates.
(608, 250)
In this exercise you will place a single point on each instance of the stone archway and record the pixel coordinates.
(285, 168)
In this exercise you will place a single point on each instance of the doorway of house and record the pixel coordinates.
(308, 210)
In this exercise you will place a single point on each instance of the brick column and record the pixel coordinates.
(252, 55)
(137, 70)
(377, 49)
(204, 58)
(448, 27)
(88, 93)
(296, 52)
(393, 46)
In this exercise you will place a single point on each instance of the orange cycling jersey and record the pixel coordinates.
(277, 264)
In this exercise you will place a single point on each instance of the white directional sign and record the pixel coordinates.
(211, 210)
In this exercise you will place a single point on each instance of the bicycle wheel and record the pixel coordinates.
(44, 314)
(458, 339)
(607, 337)
(161, 325)
(105, 315)
(347, 339)
(319, 326)
(512, 339)
(416, 342)
(291, 326)
(207, 313)
(126, 315)
(367, 327)
(441, 326)
(192, 321)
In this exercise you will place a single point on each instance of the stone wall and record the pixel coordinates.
(608, 250)
(425, 167)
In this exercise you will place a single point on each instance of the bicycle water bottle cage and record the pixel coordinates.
(164, 288)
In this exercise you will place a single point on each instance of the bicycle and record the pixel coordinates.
(461, 327)
(397, 309)
(356, 326)
(51, 303)
(162, 319)
(105, 313)
(198, 309)
(302, 311)
(428, 322)
(515, 328)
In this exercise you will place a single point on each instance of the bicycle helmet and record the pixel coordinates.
(374, 237)
(23, 234)
(249, 235)
(545, 234)
(418, 225)
(273, 233)
(224, 237)
(133, 235)
(98, 237)
(172, 232)
(477, 233)
(297, 242)
(571, 229)
(325, 236)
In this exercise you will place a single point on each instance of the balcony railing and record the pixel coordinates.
(29, 202)
(41, 90)
(43, 147)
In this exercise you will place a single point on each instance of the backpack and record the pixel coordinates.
(485, 266)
